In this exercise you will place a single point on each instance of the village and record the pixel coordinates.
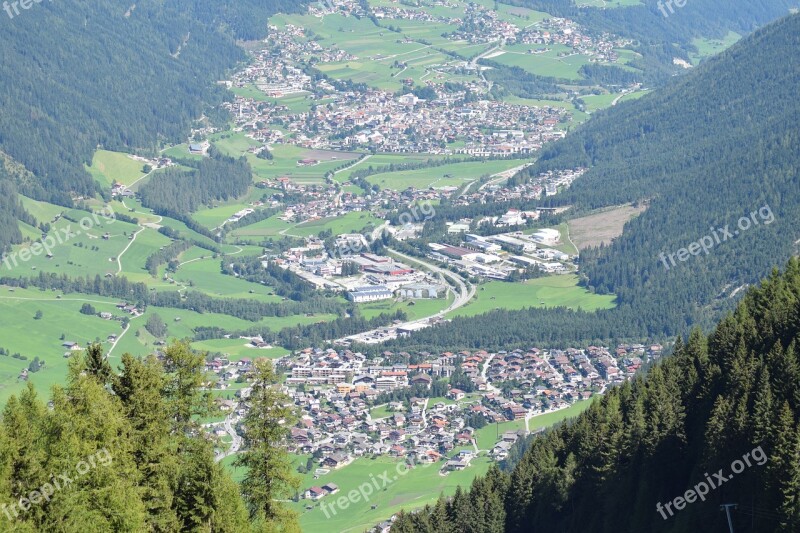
(427, 408)
(442, 118)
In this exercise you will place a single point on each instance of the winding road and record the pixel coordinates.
(466, 292)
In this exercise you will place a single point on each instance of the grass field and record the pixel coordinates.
(21, 332)
(376, 48)
(607, 3)
(709, 47)
(352, 222)
(108, 167)
(419, 486)
(268, 227)
(408, 489)
(237, 349)
(454, 174)
(284, 163)
(550, 291)
(558, 62)
(421, 308)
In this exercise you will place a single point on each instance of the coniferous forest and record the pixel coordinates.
(716, 145)
(718, 398)
(119, 447)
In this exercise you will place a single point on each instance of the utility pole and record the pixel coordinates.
(727, 507)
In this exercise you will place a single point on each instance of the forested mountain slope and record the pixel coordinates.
(716, 145)
(661, 29)
(122, 75)
(718, 400)
(709, 149)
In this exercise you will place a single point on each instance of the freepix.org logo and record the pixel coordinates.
(57, 238)
(717, 236)
(12, 9)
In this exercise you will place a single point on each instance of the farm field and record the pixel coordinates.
(558, 61)
(375, 50)
(595, 102)
(418, 486)
(421, 308)
(709, 47)
(379, 160)
(237, 349)
(268, 227)
(606, 4)
(284, 163)
(108, 167)
(21, 332)
(182, 322)
(446, 175)
(549, 291)
(85, 253)
(352, 222)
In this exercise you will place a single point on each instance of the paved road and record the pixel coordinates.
(465, 293)
(230, 428)
(489, 386)
(504, 175)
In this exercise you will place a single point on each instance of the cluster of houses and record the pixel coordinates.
(337, 393)
(601, 49)
(351, 117)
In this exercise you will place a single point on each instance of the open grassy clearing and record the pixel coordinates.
(352, 222)
(709, 47)
(598, 101)
(601, 228)
(181, 324)
(550, 291)
(420, 308)
(634, 95)
(21, 332)
(418, 486)
(558, 61)
(446, 175)
(284, 163)
(380, 160)
(108, 167)
(268, 227)
(181, 151)
(84, 254)
(607, 4)
(237, 349)
(205, 275)
(376, 48)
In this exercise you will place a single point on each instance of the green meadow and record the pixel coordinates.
(454, 174)
(414, 309)
(419, 485)
(549, 291)
(21, 332)
(109, 167)
(352, 222)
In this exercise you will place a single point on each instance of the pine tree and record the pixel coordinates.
(266, 426)
(97, 365)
